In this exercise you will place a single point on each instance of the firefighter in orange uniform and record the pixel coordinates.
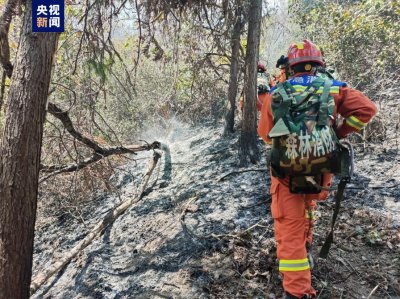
(294, 213)
(263, 87)
(281, 64)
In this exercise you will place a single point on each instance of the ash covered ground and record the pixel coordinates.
(198, 234)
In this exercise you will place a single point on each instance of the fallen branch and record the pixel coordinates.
(371, 187)
(373, 291)
(242, 171)
(130, 149)
(99, 152)
(110, 217)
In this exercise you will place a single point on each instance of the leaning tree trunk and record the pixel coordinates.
(20, 156)
(233, 78)
(248, 139)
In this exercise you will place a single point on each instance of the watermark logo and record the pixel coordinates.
(48, 15)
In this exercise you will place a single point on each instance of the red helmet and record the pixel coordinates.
(261, 67)
(305, 51)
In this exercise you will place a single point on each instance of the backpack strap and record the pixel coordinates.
(289, 100)
(307, 93)
(303, 98)
(324, 112)
(281, 108)
(287, 97)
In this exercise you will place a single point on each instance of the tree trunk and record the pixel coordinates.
(20, 156)
(233, 78)
(249, 150)
(2, 90)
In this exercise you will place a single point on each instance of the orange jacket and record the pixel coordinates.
(260, 100)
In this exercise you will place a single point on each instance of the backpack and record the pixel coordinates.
(304, 142)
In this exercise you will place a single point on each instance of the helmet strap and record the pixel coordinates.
(314, 70)
(288, 71)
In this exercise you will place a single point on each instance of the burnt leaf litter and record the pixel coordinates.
(204, 229)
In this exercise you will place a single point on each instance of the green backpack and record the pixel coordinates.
(304, 140)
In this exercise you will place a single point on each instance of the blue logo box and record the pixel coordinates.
(48, 15)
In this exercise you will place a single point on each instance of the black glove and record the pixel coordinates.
(262, 88)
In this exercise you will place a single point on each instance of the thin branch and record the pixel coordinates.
(10, 9)
(100, 152)
(170, 10)
(130, 149)
(139, 41)
(85, 17)
(61, 138)
(67, 123)
(69, 89)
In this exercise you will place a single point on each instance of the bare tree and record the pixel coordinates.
(234, 69)
(249, 150)
(20, 156)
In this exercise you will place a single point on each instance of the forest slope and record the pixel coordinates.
(198, 235)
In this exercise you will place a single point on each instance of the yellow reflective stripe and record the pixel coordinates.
(355, 122)
(300, 46)
(294, 268)
(305, 260)
(294, 265)
(334, 89)
(300, 88)
(310, 215)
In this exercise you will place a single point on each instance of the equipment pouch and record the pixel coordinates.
(343, 160)
(299, 184)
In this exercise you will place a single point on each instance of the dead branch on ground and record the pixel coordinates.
(110, 217)
(242, 171)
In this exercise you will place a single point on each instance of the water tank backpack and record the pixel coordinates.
(304, 142)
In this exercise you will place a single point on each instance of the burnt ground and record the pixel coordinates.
(198, 235)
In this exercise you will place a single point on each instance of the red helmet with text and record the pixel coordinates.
(304, 51)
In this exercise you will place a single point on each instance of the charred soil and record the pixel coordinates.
(204, 229)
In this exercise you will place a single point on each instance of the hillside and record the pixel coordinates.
(204, 229)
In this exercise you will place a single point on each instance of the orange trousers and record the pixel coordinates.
(293, 224)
